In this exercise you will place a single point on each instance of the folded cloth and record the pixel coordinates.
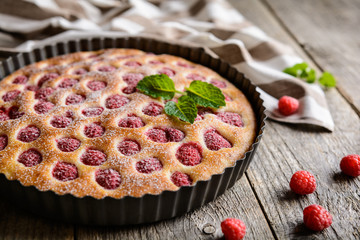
(212, 24)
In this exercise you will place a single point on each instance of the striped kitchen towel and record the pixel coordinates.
(212, 24)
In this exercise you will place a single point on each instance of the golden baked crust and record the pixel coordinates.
(133, 182)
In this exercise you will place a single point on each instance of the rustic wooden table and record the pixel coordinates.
(326, 34)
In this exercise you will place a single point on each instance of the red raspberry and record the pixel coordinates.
(11, 95)
(14, 113)
(233, 229)
(131, 122)
(80, 71)
(167, 71)
(68, 82)
(47, 77)
(303, 182)
(350, 165)
(43, 93)
(218, 83)
(189, 154)
(132, 79)
(129, 147)
(32, 88)
(157, 135)
(132, 64)
(174, 135)
(92, 111)
(116, 101)
(227, 98)
(185, 65)
(3, 142)
(108, 178)
(30, 158)
(43, 107)
(29, 134)
(231, 118)
(74, 99)
(64, 171)
(214, 141)
(60, 121)
(129, 89)
(93, 157)
(181, 179)
(21, 79)
(288, 105)
(106, 69)
(201, 113)
(68, 144)
(153, 109)
(194, 76)
(148, 165)
(96, 85)
(317, 218)
(94, 130)
(155, 62)
(3, 115)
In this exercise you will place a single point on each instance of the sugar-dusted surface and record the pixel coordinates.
(96, 139)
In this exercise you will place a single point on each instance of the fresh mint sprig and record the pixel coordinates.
(303, 71)
(198, 93)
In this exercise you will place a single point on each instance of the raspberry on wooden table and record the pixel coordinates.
(316, 217)
(108, 178)
(350, 165)
(288, 105)
(233, 229)
(148, 165)
(303, 182)
(181, 179)
(64, 171)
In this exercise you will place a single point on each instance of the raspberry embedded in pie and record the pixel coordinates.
(82, 127)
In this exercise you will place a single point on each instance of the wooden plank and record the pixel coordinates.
(329, 33)
(288, 148)
(18, 225)
(204, 223)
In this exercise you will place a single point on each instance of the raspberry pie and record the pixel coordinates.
(77, 124)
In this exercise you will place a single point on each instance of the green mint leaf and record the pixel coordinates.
(327, 80)
(297, 69)
(159, 85)
(185, 109)
(309, 75)
(205, 94)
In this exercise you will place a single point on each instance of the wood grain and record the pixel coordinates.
(329, 33)
(16, 224)
(289, 148)
(204, 223)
